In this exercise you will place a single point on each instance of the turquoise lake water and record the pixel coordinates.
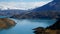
(25, 26)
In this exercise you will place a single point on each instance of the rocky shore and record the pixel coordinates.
(6, 23)
(52, 29)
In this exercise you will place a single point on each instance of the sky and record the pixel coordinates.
(22, 4)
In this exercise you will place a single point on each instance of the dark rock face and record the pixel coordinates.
(55, 26)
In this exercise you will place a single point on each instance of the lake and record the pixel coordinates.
(25, 26)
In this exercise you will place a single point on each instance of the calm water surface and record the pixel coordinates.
(25, 26)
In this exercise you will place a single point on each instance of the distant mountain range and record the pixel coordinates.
(50, 10)
(11, 12)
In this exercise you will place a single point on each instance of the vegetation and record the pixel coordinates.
(6, 23)
(46, 14)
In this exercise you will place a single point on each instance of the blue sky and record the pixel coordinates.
(22, 4)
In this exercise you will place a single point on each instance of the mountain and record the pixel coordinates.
(50, 11)
(11, 12)
(52, 6)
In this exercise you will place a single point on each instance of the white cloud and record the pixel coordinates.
(21, 5)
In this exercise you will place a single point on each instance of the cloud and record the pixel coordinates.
(21, 5)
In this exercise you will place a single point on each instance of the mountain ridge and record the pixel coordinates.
(54, 5)
(50, 11)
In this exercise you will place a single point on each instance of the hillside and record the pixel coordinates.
(50, 11)
(52, 6)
